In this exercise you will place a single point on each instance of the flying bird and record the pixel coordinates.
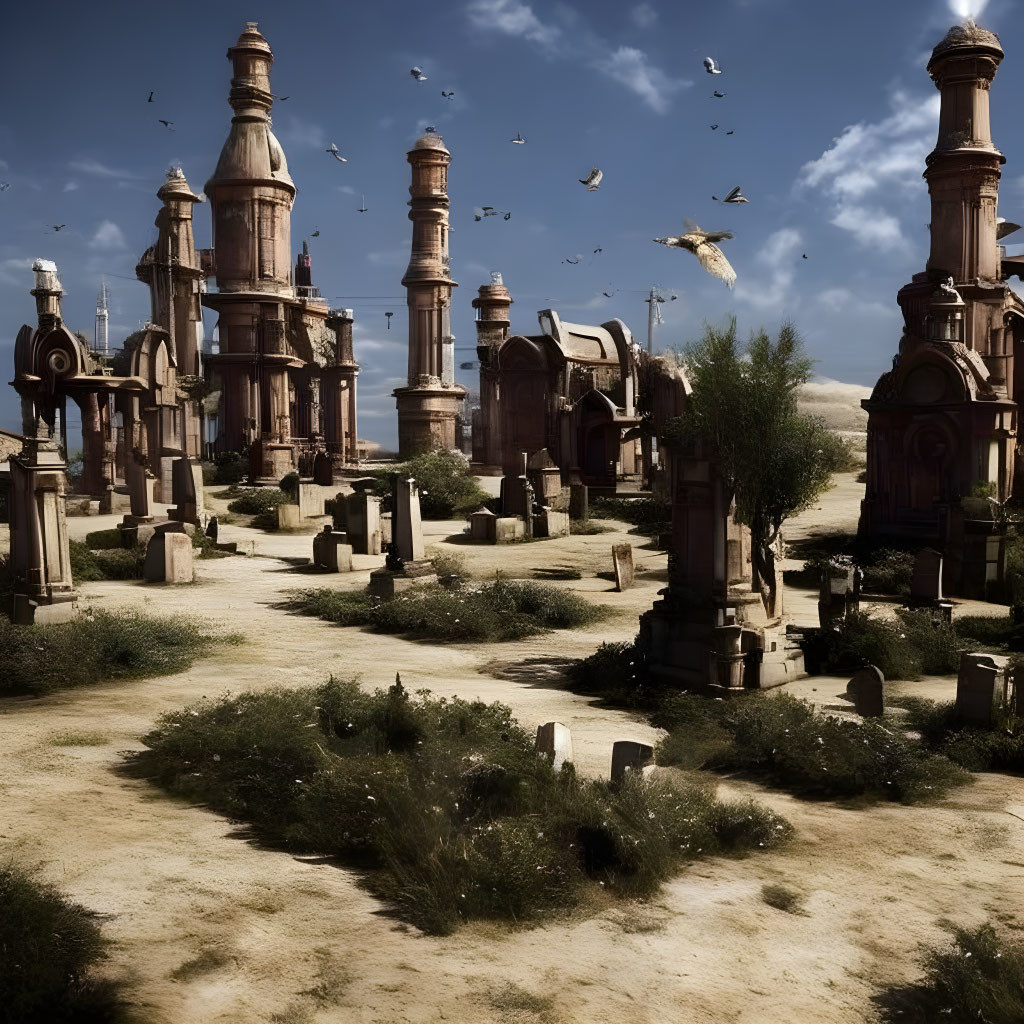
(57, 227)
(711, 67)
(702, 245)
(333, 150)
(718, 95)
(598, 249)
(569, 259)
(732, 196)
(508, 215)
(4, 186)
(316, 234)
(804, 256)
(417, 73)
(733, 132)
(280, 99)
(608, 295)
(714, 127)
(362, 204)
(518, 140)
(169, 125)
(592, 180)
(449, 95)
(150, 100)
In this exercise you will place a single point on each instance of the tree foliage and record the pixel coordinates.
(773, 460)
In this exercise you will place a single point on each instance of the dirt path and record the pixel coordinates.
(293, 940)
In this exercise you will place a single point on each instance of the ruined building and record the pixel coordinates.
(429, 403)
(571, 389)
(285, 368)
(942, 424)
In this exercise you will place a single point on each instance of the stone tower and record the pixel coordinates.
(942, 424)
(428, 405)
(493, 305)
(251, 196)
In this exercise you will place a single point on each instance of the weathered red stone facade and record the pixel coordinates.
(943, 423)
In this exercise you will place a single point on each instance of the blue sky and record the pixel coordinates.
(832, 113)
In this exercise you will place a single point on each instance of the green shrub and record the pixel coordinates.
(229, 468)
(98, 647)
(443, 802)
(981, 978)
(650, 515)
(999, 631)
(502, 610)
(888, 571)
(254, 501)
(615, 673)
(49, 948)
(103, 540)
(588, 527)
(798, 748)
(289, 485)
(905, 647)
(119, 563)
(448, 489)
(451, 567)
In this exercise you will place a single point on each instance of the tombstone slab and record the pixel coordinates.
(579, 505)
(168, 558)
(332, 551)
(926, 582)
(976, 689)
(551, 524)
(554, 741)
(867, 689)
(622, 562)
(628, 755)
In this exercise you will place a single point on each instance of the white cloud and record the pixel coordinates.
(17, 272)
(512, 19)
(98, 170)
(835, 299)
(644, 15)
(872, 227)
(967, 8)
(299, 132)
(4, 165)
(347, 189)
(631, 68)
(108, 236)
(778, 256)
(70, 186)
(838, 300)
(882, 160)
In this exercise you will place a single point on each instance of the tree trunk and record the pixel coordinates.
(762, 563)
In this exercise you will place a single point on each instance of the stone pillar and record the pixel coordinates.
(406, 523)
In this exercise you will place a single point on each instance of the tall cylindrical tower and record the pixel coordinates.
(964, 168)
(493, 305)
(428, 405)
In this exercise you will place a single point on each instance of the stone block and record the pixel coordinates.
(115, 502)
(332, 551)
(508, 529)
(311, 499)
(363, 521)
(406, 522)
(976, 689)
(627, 756)
(622, 562)
(551, 524)
(926, 582)
(579, 505)
(554, 741)
(289, 517)
(481, 526)
(867, 688)
(168, 558)
(386, 584)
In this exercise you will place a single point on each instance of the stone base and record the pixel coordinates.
(142, 529)
(551, 524)
(385, 584)
(168, 558)
(28, 612)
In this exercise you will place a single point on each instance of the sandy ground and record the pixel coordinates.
(293, 939)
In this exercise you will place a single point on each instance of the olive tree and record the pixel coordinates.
(773, 460)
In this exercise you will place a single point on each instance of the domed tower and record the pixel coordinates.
(428, 405)
(251, 196)
(493, 305)
(942, 424)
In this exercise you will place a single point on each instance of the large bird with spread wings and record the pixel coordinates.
(702, 244)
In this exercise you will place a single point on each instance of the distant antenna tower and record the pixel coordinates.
(101, 339)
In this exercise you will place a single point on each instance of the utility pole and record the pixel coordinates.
(654, 317)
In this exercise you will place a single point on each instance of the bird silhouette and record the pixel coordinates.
(607, 295)
(733, 132)
(592, 180)
(169, 125)
(804, 256)
(714, 127)
(734, 195)
(333, 150)
(417, 73)
(711, 67)
(449, 95)
(316, 234)
(702, 244)
(57, 227)
(598, 249)
(518, 140)
(150, 100)
(570, 259)
(718, 95)
(4, 186)
(362, 201)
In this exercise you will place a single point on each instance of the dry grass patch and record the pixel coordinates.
(79, 738)
(206, 961)
(782, 898)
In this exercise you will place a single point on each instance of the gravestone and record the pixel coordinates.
(838, 593)
(926, 582)
(362, 520)
(579, 505)
(332, 551)
(554, 741)
(323, 469)
(866, 689)
(289, 517)
(186, 490)
(622, 561)
(406, 524)
(976, 689)
(549, 523)
(629, 756)
(481, 527)
(168, 558)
